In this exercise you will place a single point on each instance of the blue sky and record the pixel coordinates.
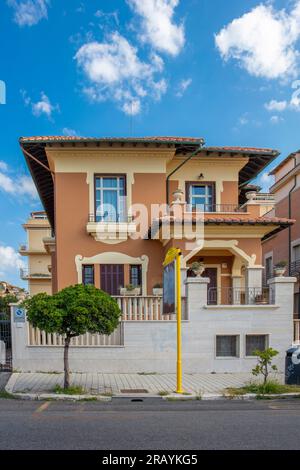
(225, 71)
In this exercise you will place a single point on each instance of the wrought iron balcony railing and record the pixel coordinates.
(117, 218)
(26, 274)
(215, 208)
(240, 296)
(294, 268)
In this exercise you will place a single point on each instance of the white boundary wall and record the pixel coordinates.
(150, 346)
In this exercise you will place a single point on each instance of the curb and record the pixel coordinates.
(171, 397)
(58, 397)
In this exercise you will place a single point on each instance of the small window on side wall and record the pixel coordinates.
(256, 342)
(88, 275)
(227, 346)
(135, 275)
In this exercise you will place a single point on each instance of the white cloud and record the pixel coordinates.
(69, 132)
(265, 181)
(40, 107)
(183, 86)
(114, 71)
(276, 119)
(10, 260)
(274, 105)
(158, 27)
(3, 166)
(29, 12)
(263, 41)
(243, 120)
(16, 185)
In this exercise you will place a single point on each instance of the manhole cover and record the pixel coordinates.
(134, 390)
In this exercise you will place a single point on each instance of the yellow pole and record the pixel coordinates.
(178, 302)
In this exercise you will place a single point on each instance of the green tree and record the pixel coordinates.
(264, 363)
(5, 301)
(71, 312)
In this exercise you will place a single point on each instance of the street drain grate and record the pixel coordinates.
(134, 390)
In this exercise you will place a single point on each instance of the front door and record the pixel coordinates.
(112, 278)
(212, 291)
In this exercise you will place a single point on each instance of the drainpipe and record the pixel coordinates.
(178, 168)
(290, 216)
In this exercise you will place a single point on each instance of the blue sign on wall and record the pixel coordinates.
(169, 302)
(19, 314)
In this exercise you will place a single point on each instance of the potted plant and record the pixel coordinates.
(157, 289)
(261, 299)
(280, 268)
(130, 289)
(198, 268)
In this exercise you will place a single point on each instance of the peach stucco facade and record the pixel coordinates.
(230, 244)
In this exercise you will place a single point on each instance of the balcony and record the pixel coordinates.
(119, 228)
(295, 268)
(25, 274)
(25, 249)
(215, 208)
(240, 296)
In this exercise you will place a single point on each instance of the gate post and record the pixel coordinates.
(18, 333)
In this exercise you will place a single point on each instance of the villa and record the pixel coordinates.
(115, 206)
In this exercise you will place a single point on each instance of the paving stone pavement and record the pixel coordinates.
(99, 383)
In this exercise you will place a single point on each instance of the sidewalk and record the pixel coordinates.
(120, 384)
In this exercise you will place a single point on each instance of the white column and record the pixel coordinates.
(282, 292)
(183, 278)
(196, 293)
(253, 283)
(236, 289)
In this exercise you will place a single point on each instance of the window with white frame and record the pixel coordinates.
(200, 196)
(110, 198)
(227, 346)
(256, 343)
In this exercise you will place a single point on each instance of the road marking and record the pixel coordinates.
(43, 407)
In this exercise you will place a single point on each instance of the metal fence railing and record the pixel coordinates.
(240, 296)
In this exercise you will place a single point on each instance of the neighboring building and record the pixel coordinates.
(38, 272)
(9, 289)
(285, 246)
(95, 192)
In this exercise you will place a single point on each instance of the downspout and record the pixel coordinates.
(290, 216)
(178, 168)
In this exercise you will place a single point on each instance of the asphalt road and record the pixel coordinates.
(156, 425)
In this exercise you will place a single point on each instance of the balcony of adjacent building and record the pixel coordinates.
(29, 274)
(25, 249)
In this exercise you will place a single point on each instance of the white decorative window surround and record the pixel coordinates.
(114, 257)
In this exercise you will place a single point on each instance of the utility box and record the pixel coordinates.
(292, 366)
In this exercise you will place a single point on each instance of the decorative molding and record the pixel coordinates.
(113, 257)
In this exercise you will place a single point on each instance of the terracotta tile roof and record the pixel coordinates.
(283, 162)
(63, 138)
(241, 220)
(250, 150)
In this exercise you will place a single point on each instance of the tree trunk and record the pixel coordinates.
(66, 363)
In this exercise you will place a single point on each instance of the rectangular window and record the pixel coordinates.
(201, 196)
(227, 346)
(296, 253)
(110, 198)
(269, 267)
(255, 342)
(88, 275)
(136, 275)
